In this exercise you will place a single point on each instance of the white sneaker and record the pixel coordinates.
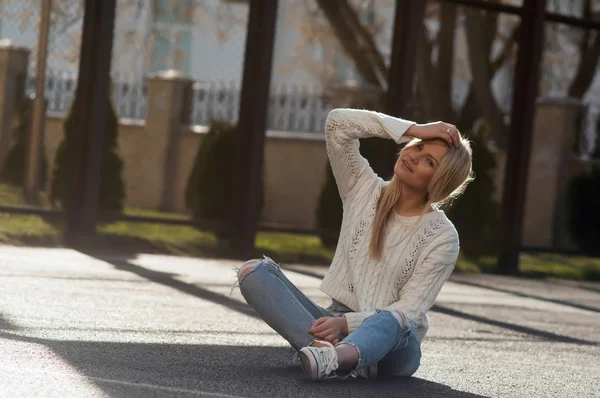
(370, 372)
(318, 362)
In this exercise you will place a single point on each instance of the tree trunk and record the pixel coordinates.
(586, 69)
(434, 82)
(482, 76)
(589, 50)
(427, 80)
(356, 41)
(468, 113)
(445, 64)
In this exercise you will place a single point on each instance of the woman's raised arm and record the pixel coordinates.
(343, 129)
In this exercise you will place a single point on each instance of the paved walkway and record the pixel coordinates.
(77, 325)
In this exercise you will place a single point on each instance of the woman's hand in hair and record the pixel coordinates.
(447, 132)
(330, 329)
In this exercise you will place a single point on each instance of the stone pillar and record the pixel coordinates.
(168, 113)
(13, 76)
(554, 134)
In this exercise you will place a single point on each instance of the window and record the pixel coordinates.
(183, 48)
(174, 11)
(172, 32)
(159, 59)
(171, 49)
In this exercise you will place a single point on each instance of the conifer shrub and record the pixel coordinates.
(13, 170)
(112, 188)
(209, 188)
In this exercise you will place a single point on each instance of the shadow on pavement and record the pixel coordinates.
(588, 287)
(526, 295)
(5, 324)
(511, 326)
(167, 279)
(197, 291)
(138, 369)
(493, 322)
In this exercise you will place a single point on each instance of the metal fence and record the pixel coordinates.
(215, 100)
(291, 108)
(129, 96)
(298, 109)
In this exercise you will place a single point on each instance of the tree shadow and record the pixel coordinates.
(592, 287)
(527, 295)
(511, 326)
(138, 369)
(205, 294)
(167, 279)
(5, 324)
(493, 322)
(130, 246)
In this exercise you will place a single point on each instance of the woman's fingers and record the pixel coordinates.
(446, 133)
(323, 331)
(332, 338)
(456, 135)
(321, 328)
(324, 334)
(451, 134)
(318, 325)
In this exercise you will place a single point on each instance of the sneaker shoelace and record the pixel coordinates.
(328, 357)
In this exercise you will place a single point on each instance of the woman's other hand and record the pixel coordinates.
(330, 329)
(447, 132)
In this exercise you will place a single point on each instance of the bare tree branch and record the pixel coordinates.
(590, 52)
(356, 41)
(507, 50)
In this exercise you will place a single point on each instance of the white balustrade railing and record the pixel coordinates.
(291, 108)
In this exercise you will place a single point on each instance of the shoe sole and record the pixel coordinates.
(308, 363)
(373, 372)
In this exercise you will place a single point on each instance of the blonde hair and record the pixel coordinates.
(448, 182)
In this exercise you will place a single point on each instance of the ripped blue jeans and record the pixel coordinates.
(383, 338)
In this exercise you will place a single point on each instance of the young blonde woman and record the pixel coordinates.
(395, 251)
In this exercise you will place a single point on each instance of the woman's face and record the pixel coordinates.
(417, 164)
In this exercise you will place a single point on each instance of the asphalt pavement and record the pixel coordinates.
(76, 324)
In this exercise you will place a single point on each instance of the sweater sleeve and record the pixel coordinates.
(418, 295)
(343, 128)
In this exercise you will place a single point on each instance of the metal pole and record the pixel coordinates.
(252, 122)
(527, 76)
(36, 135)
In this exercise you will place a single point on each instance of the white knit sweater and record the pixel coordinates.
(419, 254)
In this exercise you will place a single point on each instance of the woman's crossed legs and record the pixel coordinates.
(385, 339)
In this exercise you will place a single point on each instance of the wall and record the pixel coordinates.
(553, 163)
(295, 163)
(295, 174)
(294, 170)
(130, 134)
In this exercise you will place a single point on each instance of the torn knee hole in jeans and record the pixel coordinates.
(404, 322)
(240, 274)
(246, 269)
(401, 318)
